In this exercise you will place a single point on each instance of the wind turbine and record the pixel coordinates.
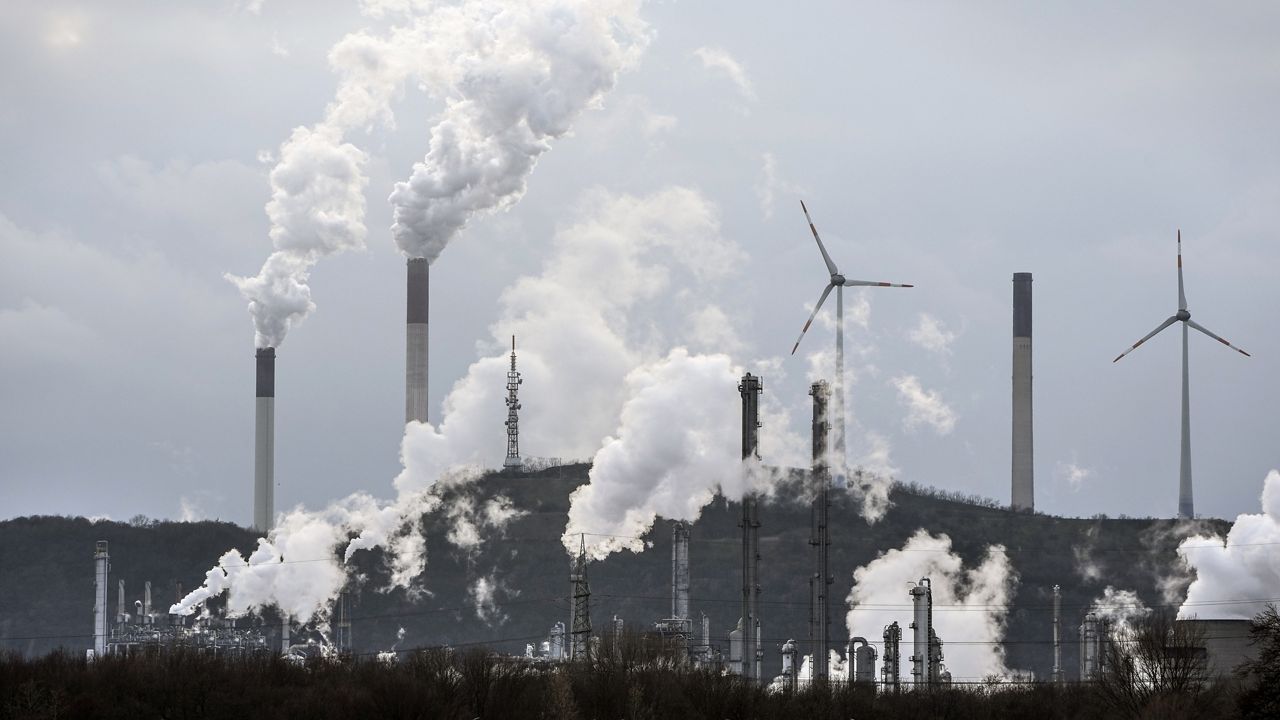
(1185, 506)
(839, 282)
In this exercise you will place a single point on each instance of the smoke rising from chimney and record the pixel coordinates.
(514, 76)
(317, 185)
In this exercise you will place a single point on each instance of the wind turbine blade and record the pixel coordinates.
(1204, 330)
(1148, 336)
(831, 266)
(809, 322)
(872, 283)
(1182, 295)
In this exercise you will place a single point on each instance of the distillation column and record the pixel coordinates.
(922, 625)
(101, 566)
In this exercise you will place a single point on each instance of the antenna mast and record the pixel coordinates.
(513, 412)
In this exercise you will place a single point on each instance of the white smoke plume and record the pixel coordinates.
(297, 568)
(583, 324)
(317, 186)
(970, 605)
(677, 444)
(483, 594)
(607, 271)
(1121, 609)
(1235, 576)
(924, 406)
(514, 75)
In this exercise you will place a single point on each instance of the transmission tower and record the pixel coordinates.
(580, 619)
(513, 412)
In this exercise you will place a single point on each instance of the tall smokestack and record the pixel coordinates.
(1023, 496)
(415, 375)
(101, 566)
(264, 443)
(750, 388)
(680, 572)
(820, 538)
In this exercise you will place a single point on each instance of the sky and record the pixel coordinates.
(944, 145)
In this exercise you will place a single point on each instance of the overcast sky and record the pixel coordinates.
(947, 145)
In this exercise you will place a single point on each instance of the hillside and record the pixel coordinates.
(46, 584)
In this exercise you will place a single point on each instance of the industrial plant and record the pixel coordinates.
(685, 635)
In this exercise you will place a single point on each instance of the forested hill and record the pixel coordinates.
(46, 568)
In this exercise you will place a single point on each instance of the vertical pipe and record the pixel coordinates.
(680, 571)
(415, 398)
(1023, 471)
(1057, 634)
(820, 614)
(264, 448)
(122, 615)
(101, 566)
(1186, 507)
(146, 603)
(750, 388)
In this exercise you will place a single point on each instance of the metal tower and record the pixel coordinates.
(1056, 676)
(889, 671)
(343, 634)
(820, 538)
(580, 618)
(750, 389)
(513, 409)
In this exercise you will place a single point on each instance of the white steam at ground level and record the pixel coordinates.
(1237, 575)
(969, 604)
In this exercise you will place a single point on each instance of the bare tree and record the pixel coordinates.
(1153, 662)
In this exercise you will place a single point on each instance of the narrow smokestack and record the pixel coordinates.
(264, 444)
(415, 376)
(680, 571)
(750, 388)
(1023, 495)
(820, 538)
(101, 564)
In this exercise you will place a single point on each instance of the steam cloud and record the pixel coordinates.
(514, 77)
(1121, 609)
(1239, 568)
(676, 445)
(969, 605)
(317, 186)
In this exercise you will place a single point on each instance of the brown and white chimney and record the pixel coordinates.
(415, 396)
(1023, 495)
(264, 443)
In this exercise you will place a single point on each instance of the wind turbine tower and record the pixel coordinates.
(839, 282)
(1186, 508)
